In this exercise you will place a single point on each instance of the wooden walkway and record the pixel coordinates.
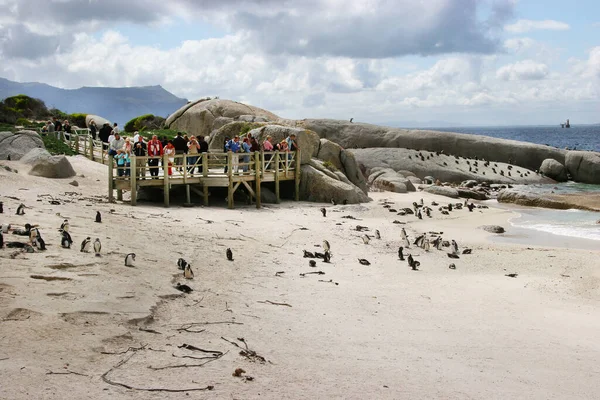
(197, 172)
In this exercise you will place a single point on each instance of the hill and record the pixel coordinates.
(116, 104)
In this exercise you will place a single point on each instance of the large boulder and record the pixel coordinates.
(330, 152)
(358, 135)
(100, 121)
(391, 181)
(318, 187)
(442, 191)
(198, 118)
(34, 155)
(553, 169)
(444, 167)
(583, 201)
(52, 167)
(584, 166)
(16, 145)
(471, 194)
(352, 170)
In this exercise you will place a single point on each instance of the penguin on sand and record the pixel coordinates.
(129, 259)
(188, 273)
(326, 257)
(1, 207)
(5, 228)
(454, 247)
(1, 240)
(364, 261)
(66, 240)
(403, 234)
(97, 247)
(366, 239)
(229, 254)
(39, 243)
(326, 245)
(183, 288)
(401, 253)
(324, 212)
(86, 245)
(21, 209)
(181, 264)
(312, 263)
(98, 217)
(426, 245)
(377, 234)
(64, 226)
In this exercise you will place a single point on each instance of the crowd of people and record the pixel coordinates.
(123, 148)
(57, 127)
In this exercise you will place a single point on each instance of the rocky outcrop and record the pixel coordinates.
(554, 170)
(52, 167)
(358, 135)
(217, 138)
(199, 118)
(342, 160)
(471, 194)
(390, 180)
(329, 151)
(100, 121)
(588, 202)
(16, 145)
(584, 166)
(442, 191)
(444, 167)
(34, 155)
(318, 187)
(493, 228)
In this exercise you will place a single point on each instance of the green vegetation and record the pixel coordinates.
(330, 166)
(246, 127)
(55, 146)
(144, 122)
(21, 107)
(77, 119)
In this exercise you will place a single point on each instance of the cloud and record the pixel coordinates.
(527, 25)
(519, 45)
(523, 70)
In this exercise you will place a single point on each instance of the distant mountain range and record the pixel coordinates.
(115, 104)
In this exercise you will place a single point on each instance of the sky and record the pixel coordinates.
(394, 62)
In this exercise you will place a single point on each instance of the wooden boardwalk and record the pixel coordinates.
(197, 172)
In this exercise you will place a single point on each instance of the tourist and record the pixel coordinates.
(116, 144)
(104, 134)
(193, 149)
(203, 149)
(120, 157)
(127, 161)
(234, 147)
(169, 150)
(50, 127)
(111, 137)
(291, 142)
(57, 124)
(246, 158)
(67, 127)
(93, 129)
(136, 136)
(225, 150)
(127, 145)
(115, 129)
(282, 146)
(181, 148)
(155, 149)
(140, 151)
(267, 146)
(254, 146)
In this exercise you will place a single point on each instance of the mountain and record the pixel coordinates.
(115, 104)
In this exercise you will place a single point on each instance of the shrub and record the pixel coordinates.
(55, 112)
(22, 122)
(147, 121)
(77, 119)
(55, 146)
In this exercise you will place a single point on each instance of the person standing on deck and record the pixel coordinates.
(193, 150)
(93, 129)
(139, 149)
(246, 150)
(104, 134)
(169, 150)
(203, 149)
(181, 147)
(234, 146)
(155, 149)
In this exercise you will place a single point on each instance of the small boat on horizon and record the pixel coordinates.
(567, 125)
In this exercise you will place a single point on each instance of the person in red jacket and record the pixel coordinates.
(155, 149)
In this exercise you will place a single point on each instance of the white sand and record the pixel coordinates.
(385, 332)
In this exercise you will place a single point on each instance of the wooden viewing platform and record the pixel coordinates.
(209, 170)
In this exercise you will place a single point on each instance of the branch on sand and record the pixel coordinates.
(274, 303)
(246, 352)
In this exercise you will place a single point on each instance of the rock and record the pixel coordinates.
(493, 228)
(198, 118)
(553, 169)
(318, 187)
(216, 140)
(329, 151)
(584, 166)
(16, 145)
(353, 171)
(52, 167)
(469, 184)
(318, 165)
(581, 201)
(390, 180)
(414, 180)
(442, 191)
(34, 155)
(360, 136)
(100, 121)
(444, 167)
(429, 180)
(471, 194)
(220, 122)
(267, 196)
(74, 183)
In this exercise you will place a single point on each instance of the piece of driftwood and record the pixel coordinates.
(66, 372)
(274, 303)
(246, 351)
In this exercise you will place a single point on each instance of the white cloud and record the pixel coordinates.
(523, 70)
(519, 45)
(526, 25)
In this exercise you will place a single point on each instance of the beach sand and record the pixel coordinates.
(380, 331)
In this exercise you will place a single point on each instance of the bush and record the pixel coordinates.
(21, 106)
(77, 119)
(55, 112)
(147, 121)
(55, 146)
(22, 122)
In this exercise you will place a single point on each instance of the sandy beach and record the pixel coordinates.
(380, 331)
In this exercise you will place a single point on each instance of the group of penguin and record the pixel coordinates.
(188, 273)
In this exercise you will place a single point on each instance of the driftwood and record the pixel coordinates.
(246, 352)
(66, 372)
(312, 273)
(274, 303)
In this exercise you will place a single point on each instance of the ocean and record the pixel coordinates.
(569, 228)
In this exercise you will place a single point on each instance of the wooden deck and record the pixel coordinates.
(198, 172)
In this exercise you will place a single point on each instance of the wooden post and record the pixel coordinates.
(91, 143)
(133, 180)
(298, 172)
(257, 177)
(277, 176)
(85, 149)
(230, 176)
(204, 164)
(76, 147)
(120, 194)
(166, 179)
(110, 180)
(287, 164)
(185, 175)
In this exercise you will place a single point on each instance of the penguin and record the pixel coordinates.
(188, 273)
(98, 217)
(403, 233)
(467, 251)
(129, 259)
(406, 243)
(229, 254)
(351, 120)
(419, 240)
(312, 263)
(333, 201)
(183, 288)
(324, 212)
(364, 261)
(450, 207)
(326, 245)
(419, 215)
(422, 202)
(412, 263)
(437, 242)
(1, 207)
(66, 240)
(308, 254)
(39, 243)
(21, 209)
(326, 257)
(97, 247)
(86, 244)
(377, 234)
(454, 246)
(426, 244)
(320, 255)
(1, 240)
(452, 255)
(33, 234)
(452, 266)
(401, 253)
(64, 226)
(345, 202)
(366, 239)
(181, 264)
(471, 207)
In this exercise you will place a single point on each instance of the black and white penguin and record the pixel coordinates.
(5, 228)
(326, 256)
(419, 215)
(98, 217)
(229, 254)
(467, 251)
(1, 207)
(426, 245)
(66, 240)
(454, 246)
(453, 255)
(1, 240)
(129, 259)
(33, 235)
(86, 245)
(324, 212)
(183, 288)
(450, 207)
(326, 245)
(364, 261)
(403, 234)
(97, 247)
(419, 240)
(181, 264)
(401, 253)
(64, 226)
(21, 209)
(39, 243)
(308, 254)
(452, 266)
(188, 273)
(312, 263)
(377, 234)
(333, 201)
(366, 239)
